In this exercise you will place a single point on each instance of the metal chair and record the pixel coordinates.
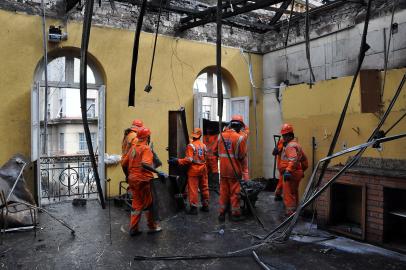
(11, 208)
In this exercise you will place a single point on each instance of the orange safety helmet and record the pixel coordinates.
(143, 133)
(136, 125)
(237, 117)
(197, 133)
(286, 128)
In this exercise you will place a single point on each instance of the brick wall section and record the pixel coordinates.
(374, 216)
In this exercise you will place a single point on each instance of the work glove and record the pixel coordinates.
(287, 175)
(162, 176)
(275, 151)
(173, 161)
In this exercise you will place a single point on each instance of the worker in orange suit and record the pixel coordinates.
(130, 137)
(139, 163)
(195, 158)
(245, 132)
(277, 153)
(293, 162)
(211, 141)
(232, 150)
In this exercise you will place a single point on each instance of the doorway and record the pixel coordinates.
(58, 144)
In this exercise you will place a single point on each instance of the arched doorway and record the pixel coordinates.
(58, 139)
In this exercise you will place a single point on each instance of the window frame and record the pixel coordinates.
(211, 83)
(69, 72)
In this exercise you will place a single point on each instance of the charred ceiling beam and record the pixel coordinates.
(154, 6)
(211, 11)
(280, 12)
(233, 22)
(236, 11)
(275, 9)
(247, 25)
(315, 11)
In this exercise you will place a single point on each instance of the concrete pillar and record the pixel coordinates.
(272, 123)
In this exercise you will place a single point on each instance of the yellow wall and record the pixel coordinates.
(315, 113)
(177, 64)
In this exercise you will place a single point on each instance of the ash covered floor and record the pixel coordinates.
(55, 248)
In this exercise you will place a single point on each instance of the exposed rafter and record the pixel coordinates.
(208, 16)
(280, 12)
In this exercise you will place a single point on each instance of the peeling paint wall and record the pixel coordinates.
(177, 64)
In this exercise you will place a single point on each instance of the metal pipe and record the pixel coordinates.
(87, 24)
(148, 87)
(316, 194)
(263, 265)
(18, 178)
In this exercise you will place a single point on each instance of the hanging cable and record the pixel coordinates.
(287, 40)
(220, 106)
(148, 87)
(363, 49)
(131, 95)
(387, 49)
(395, 124)
(87, 24)
(254, 93)
(307, 33)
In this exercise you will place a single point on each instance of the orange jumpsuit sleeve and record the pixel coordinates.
(292, 156)
(125, 160)
(147, 156)
(242, 149)
(187, 160)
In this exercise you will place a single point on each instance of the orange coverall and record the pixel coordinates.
(229, 184)
(139, 183)
(291, 161)
(212, 160)
(197, 173)
(279, 186)
(128, 140)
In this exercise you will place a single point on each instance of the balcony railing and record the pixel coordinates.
(66, 177)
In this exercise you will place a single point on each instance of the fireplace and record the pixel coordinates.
(395, 217)
(368, 202)
(347, 209)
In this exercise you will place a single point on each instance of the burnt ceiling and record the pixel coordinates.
(257, 16)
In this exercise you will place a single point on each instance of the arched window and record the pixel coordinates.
(205, 89)
(65, 135)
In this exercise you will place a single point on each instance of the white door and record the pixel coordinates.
(198, 113)
(241, 105)
(101, 131)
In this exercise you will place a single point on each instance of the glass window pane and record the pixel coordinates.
(200, 85)
(206, 107)
(224, 85)
(56, 70)
(76, 72)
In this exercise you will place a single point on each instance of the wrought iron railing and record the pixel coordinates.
(63, 177)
